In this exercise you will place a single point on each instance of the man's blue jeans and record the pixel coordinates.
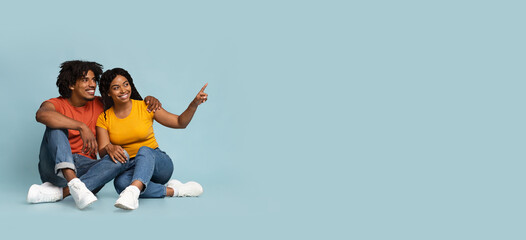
(55, 155)
(152, 167)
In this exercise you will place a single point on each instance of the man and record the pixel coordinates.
(68, 162)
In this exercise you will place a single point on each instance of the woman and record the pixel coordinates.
(125, 129)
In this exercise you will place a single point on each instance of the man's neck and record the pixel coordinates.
(77, 101)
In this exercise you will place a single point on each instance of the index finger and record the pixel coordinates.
(202, 89)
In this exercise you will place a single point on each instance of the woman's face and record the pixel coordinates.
(120, 89)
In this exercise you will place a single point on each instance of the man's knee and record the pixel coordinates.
(56, 132)
(56, 138)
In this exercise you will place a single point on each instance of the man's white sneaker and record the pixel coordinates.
(189, 189)
(81, 194)
(46, 192)
(129, 198)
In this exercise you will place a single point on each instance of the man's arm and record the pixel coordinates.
(48, 116)
(153, 104)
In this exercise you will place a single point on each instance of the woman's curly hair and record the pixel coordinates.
(105, 82)
(71, 71)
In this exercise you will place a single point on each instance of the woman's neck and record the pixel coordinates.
(122, 110)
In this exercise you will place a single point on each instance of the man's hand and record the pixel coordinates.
(153, 104)
(89, 145)
(201, 96)
(116, 153)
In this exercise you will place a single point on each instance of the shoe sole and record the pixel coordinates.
(92, 200)
(124, 206)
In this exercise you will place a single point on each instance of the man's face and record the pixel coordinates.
(85, 87)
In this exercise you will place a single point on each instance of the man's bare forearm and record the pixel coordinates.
(55, 119)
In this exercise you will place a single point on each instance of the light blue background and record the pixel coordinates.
(326, 119)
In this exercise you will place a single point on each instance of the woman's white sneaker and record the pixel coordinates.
(189, 189)
(129, 198)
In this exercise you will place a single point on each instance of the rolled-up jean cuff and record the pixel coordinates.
(63, 165)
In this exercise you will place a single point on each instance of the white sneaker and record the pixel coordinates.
(81, 194)
(129, 198)
(46, 192)
(189, 189)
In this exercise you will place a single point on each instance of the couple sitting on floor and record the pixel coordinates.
(119, 126)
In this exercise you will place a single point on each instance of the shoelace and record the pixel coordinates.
(77, 188)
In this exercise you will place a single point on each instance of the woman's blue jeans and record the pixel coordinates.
(152, 167)
(55, 155)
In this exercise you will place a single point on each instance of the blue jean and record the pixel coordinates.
(55, 155)
(152, 167)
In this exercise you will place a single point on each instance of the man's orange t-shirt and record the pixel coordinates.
(87, 114)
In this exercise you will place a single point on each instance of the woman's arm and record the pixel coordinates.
(181, 121)
(105, 147)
